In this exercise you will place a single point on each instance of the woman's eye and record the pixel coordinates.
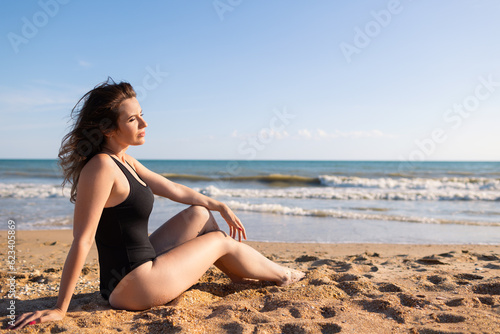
(133, 118)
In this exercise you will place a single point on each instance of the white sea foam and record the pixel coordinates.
(298, 211)
(445, 183)
(33, 190)
(330, 193)
(332, 188)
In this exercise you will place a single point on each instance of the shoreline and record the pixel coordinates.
(64, 234)
(63, 237)
(349, 288)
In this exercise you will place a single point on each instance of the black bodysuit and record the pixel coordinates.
(122, 235)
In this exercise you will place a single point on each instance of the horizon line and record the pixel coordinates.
(275, 160)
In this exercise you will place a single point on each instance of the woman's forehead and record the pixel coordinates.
(129, 107)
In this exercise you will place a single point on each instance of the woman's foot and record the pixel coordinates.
(292, 276)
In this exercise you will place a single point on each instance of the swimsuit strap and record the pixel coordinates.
(128, 173)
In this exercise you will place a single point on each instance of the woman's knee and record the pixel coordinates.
(200, 211)
(204, 216)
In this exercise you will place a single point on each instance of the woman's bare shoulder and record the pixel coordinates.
(100, 163)
(97, 176)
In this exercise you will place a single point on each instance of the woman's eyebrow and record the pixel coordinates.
(132, 115)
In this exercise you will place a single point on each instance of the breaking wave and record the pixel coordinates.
(298, 211)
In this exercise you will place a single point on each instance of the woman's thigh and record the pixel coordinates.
(186, 225)
(162, 280)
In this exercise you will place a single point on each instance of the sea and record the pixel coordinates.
(297, 201)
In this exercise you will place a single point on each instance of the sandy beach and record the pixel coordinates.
(349, 288)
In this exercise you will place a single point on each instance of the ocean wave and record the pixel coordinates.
(31, 174)
(331, 213)
(33, 190)
(445, 183)
(187, 177)
(279, 179)
(394, 181)
(332, 187)
(329, 193)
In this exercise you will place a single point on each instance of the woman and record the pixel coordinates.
(113, 196)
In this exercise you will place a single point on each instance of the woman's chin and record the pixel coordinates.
(139, 142)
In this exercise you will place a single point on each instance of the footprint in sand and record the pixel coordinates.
(385, 307)
(412, 301)
(330, 328)
(487, 288)
(448, 318)
(389, 287)
(328, 312)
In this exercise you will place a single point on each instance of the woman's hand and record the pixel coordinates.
(235, 225)
(38, 317)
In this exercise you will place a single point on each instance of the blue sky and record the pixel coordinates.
(237, 79)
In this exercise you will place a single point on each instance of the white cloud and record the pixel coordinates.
(324, 135)
(321, 134)
(304, 133)
(32, 99)
(263, 133)
(39, 96)
(83, 63)
(281, 134)
(35, 107)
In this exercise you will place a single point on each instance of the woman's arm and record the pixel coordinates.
(94, 188)
(162, 186)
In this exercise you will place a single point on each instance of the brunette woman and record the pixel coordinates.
(113, 195)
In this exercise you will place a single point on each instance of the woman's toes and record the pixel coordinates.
(292, 276)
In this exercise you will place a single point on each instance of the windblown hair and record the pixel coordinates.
(95, 115)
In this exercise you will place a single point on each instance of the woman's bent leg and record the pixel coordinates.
(170, 274)
(184, 226)
(187, 225)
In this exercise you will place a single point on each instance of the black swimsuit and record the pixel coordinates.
(122, 235)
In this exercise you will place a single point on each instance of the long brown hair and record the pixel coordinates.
(95, 115)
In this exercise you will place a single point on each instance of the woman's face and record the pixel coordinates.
(131, 125)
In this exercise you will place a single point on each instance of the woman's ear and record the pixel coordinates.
(107, 128)
(109, 133)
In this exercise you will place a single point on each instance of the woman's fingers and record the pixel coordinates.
(232, 231)
(238, 229)
(241, 229)
(37, 318)
(24, 320)
(235, 225)
(243, 232)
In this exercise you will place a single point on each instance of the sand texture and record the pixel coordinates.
(349, 288)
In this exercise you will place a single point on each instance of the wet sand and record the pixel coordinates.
(348, 288)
